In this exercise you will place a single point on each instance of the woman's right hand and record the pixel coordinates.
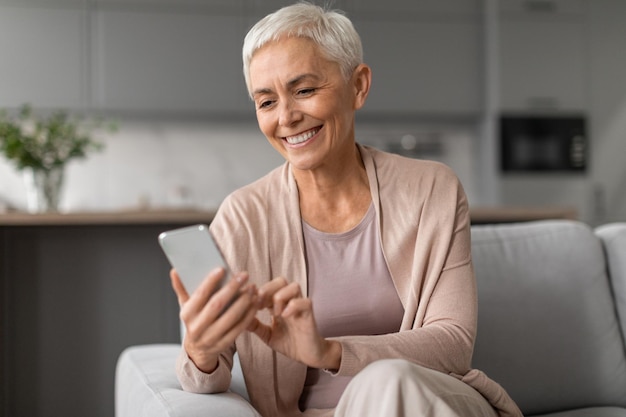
(209, 331)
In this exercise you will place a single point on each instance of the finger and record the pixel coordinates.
(234, 320)
(253, 324)
(225, 296)
(210, 332)
(243, 302)
(263, 331)
(245, 319)
(284, 296)
(179, 289)
(200, 297)
(231, 335)
(297, 307)
(267, 291)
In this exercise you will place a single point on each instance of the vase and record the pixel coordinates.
(43, 189)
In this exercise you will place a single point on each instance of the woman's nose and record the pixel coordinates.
(288, 113)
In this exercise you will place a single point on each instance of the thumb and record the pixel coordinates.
(178, 287)
(263, 331)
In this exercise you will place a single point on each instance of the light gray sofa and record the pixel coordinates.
(552, 320)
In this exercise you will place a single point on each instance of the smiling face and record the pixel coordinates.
(304, 106)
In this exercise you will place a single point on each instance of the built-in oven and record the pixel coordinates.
(543, 143)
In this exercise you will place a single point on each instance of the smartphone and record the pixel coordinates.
(192, 251)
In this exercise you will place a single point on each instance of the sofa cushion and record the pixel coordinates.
(547, 326)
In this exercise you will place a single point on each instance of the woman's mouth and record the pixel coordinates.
(302, 137)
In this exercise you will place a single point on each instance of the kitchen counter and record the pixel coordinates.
(125, 217)
(479, 215)
(485, 215)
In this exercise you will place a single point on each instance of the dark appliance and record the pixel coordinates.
(543, 144)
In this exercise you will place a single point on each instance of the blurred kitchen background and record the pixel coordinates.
(445, 73)
(524, 99)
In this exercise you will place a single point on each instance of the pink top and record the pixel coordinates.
(348, 282)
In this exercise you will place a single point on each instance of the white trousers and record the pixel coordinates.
(398, 388)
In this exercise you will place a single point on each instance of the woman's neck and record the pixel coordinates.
(334, 199)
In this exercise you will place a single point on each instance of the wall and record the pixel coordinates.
(608, 108)
(159, 165)
(150, 164)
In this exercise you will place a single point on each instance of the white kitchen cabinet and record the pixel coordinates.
(257, 9)
(173, 61)
(376, 6)
(184, 56)
(43, 53)
(225, 4)
(560, 7)
(421, 6)
(422, 66)
(543, 58)
(46, 3)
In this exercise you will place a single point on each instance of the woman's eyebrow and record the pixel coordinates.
(261, 91)
(290, 84)
(296, 80)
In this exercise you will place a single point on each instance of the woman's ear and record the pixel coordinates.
(361, 79)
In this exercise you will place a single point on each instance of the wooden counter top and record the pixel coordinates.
(484, 215)
(479, 215)
(131, 217)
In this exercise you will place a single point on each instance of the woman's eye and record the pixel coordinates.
(306, 91)
(264, 104)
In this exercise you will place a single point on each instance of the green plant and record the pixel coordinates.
(46, 143)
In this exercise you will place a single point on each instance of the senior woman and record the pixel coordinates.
(358, 296)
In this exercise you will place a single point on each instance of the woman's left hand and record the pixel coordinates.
(293, 331)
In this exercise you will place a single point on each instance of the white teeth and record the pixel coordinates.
(294, 140)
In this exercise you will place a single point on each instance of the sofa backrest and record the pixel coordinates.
(548, 330)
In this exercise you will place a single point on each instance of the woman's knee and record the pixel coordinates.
(396, 385)
(386, 371)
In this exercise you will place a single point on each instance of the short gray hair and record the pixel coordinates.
(329, 29)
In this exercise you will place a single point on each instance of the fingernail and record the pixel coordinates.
(241, 278)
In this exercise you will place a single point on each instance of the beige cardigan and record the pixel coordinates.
(424, 226)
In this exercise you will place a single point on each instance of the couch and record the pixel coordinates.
(552, 320)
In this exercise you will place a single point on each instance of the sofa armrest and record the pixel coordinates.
(146, 386)
(613, 237)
